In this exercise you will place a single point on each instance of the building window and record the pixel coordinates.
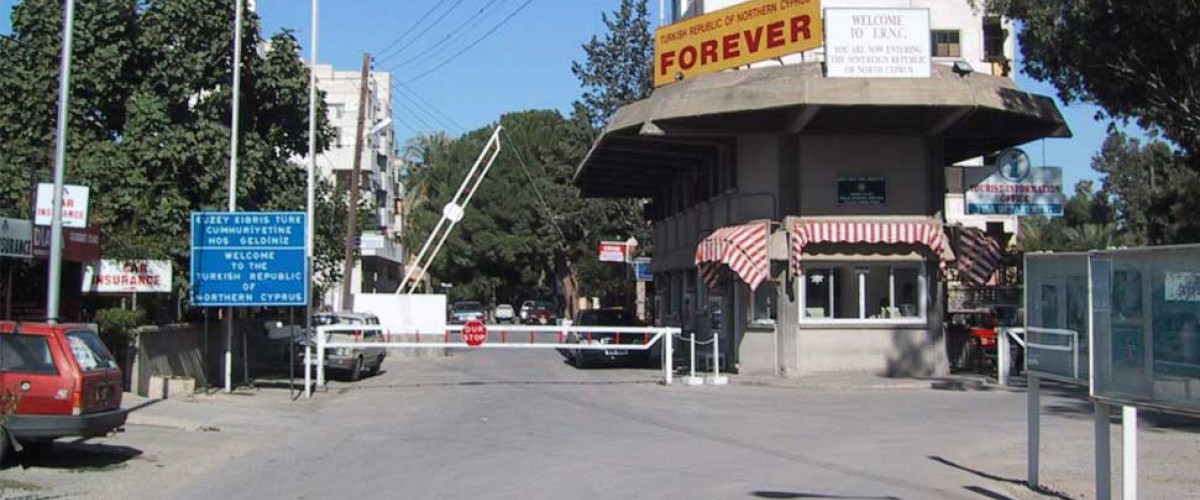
(994, 36)
(763, 309)
(867, 292)
(946, 43)
(337, 137)
(686, 9)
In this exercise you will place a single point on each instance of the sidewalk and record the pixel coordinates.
(870, 381)
(217, 411)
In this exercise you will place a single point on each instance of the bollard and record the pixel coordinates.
(308, 370)
(716, 378)
(693, 379)
(668, 358)
(320, 358)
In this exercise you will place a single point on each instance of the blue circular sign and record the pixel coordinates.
(1013, 165)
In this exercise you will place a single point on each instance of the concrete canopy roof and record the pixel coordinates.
(685, 125)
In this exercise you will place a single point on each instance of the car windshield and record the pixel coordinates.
(332, 319)
(610, 317)
(468, 307)
(89, 351)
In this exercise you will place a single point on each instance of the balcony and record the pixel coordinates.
(378, 245)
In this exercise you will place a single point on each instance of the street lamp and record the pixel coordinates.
(60, 155)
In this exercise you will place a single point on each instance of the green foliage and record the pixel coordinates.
(509, 246)
(149, 120)
(1154, 193)
(1088, 223)
(619, 68)
(116, 329)
(1136, 60)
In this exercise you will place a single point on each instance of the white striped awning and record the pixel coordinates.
(743, 248)
(917, 233)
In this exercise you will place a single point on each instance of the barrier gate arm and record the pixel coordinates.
(452, 213)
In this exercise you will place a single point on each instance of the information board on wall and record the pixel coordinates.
(248, 259)
(862, 191)
(877, 43)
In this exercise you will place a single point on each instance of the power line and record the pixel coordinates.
(413, 115)
(538, 192)
(426, 30)
(468, 26)
(425, 102)
(473, 44)
(436, 5)
(396, 91)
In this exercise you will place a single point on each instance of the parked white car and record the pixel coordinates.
(504, 313)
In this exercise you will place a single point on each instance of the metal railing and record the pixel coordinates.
(565, 337)
(1022, 336)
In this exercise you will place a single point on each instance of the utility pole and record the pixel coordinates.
(54, 280)
(235, 96)
(352, 208)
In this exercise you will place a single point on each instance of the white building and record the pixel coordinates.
(959, 33)
(379, 268)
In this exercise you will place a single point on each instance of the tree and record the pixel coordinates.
(1136, 60)
(1088, 223)
(618, 68)
(149, 120)
(1152, 189)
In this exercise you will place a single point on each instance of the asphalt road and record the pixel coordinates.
(525, 425)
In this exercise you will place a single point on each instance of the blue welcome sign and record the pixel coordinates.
(243, 259)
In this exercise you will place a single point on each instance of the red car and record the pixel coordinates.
(972, 336)
(56, 381)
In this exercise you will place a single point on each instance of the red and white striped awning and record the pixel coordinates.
(743, 248)
(917, 233)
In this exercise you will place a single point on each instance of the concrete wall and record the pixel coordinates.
(890, 351)
(176, 350)
(902, 161)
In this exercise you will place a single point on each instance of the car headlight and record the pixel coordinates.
(341, 351)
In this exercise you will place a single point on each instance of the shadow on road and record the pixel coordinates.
(993, 477)
(79, 456)
(789, 494)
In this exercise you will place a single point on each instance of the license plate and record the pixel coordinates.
(103, 393)
(615, 352)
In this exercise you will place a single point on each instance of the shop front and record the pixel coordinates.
(801, 217)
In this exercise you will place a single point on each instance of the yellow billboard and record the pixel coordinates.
(735, 36)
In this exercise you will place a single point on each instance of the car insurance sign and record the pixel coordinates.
(248, 259)
(74, 205)
(613, 251)
(16, 238)
(128, 276)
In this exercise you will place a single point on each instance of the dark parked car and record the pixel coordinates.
(615, 316)
(538, 312)
(462, 312)
(57, 381)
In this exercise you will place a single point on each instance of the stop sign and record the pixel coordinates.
(474, 333)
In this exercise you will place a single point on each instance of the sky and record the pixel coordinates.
(444, 83)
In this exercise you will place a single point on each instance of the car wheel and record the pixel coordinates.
(973, 357)
(580, 359)
(378, 366)
(4, 447)
(356, 370)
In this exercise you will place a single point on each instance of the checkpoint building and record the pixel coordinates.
(798, 202)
